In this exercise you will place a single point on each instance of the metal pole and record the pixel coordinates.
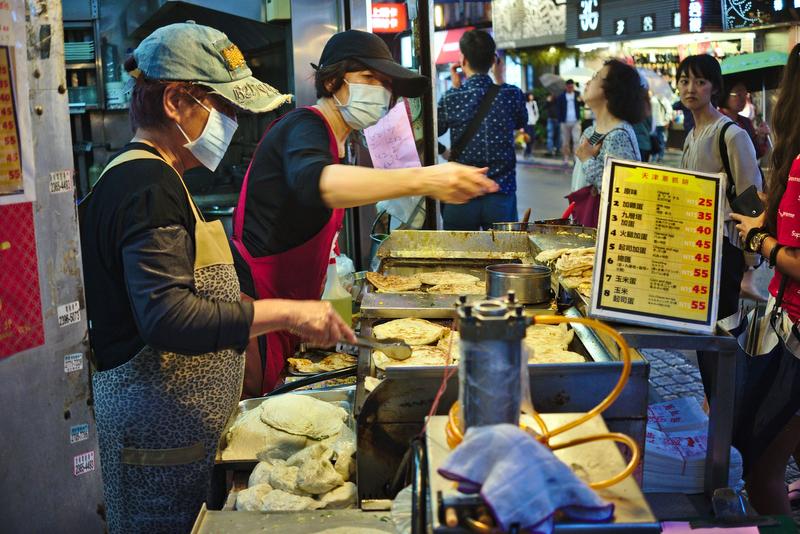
(423, 30)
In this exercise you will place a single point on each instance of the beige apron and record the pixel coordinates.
(160, 415)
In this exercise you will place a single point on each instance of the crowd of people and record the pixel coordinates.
(178, 314)
(632, 123)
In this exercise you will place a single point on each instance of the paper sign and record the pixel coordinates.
(659, 246)
(391, 141)
(10, 161)
(83, 463)
(21, 325)
(61, 181)
(78, 433)
(73, 362)
(69, 314)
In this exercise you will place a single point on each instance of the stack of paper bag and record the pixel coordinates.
(675, 449)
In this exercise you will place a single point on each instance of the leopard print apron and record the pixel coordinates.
(160, 415)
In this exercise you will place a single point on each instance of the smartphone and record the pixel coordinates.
(748, 203)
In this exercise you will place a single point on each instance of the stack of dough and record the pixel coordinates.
(573, 265)
(306, 454)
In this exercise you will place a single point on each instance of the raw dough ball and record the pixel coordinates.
(342, 497)
(281, 501)
(309, 454)
(318, 476)
(280, 444)
(303, 416)
(249, 499)
(246, 437)
(284, 477)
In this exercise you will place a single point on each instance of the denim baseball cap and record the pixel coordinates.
(199, 54)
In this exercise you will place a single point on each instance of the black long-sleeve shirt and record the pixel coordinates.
(137, 241)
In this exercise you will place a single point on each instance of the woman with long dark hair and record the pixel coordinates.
(776, 235)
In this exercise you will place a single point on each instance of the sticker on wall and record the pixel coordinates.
(21, 325)
(69, 314)
(73, 362)
(79, 433)
(83, 463)
(61, 181)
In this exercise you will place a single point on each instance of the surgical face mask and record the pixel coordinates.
(213, 142)
(366, 106)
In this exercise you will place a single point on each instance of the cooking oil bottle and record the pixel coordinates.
(336, 294)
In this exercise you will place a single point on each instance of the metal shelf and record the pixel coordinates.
(83, 66)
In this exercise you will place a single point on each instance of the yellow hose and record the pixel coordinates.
(454, 428)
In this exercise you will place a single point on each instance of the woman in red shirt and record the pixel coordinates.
(775, 234)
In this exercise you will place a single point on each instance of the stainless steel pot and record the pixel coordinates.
(528, 226)
(531, 283)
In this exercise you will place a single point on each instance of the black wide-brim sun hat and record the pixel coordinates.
(371, 50)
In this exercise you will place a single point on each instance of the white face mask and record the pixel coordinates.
(366, 105)
(213, 142)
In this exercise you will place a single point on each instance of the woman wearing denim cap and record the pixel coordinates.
(294, 194)
(167, 326)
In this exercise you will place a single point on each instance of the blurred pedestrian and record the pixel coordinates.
(733, 106)
(644, 130)
(662, 116)
(569, 118)
(533, 118)
(553, 127)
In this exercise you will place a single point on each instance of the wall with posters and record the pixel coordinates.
(50, 479)
(524, 23)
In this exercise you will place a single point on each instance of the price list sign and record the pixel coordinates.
(659, 247)
(10, 164)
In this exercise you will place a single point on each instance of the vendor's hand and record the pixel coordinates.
(455, 183)
(747, 223)
(318, 323)
(586, 150)
(455, 76)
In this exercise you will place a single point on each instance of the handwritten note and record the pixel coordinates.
(391, 141)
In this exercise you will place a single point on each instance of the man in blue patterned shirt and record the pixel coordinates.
(493, 144)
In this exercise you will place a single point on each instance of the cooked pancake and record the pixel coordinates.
(585, 288)
(555, 356)
(420, 356)
(302, 365)
(446, 277)
(543, 337)
(469, 288)
(336, 361)
(546, 256)
(569, 265)
(392, 283)
(453, 346)
(412, 331)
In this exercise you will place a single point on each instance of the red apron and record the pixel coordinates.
(298, 273)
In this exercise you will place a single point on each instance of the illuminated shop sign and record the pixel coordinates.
(389, 18)
(589, 18)
(751, 13)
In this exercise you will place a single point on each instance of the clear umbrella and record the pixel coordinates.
(656, 83)
(553, 83)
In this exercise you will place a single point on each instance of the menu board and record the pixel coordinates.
(659, 244)
(10, 162)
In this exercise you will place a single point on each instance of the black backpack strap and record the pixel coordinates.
(472, 128)
(730, 192)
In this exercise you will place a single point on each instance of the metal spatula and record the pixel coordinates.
(395, 349)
